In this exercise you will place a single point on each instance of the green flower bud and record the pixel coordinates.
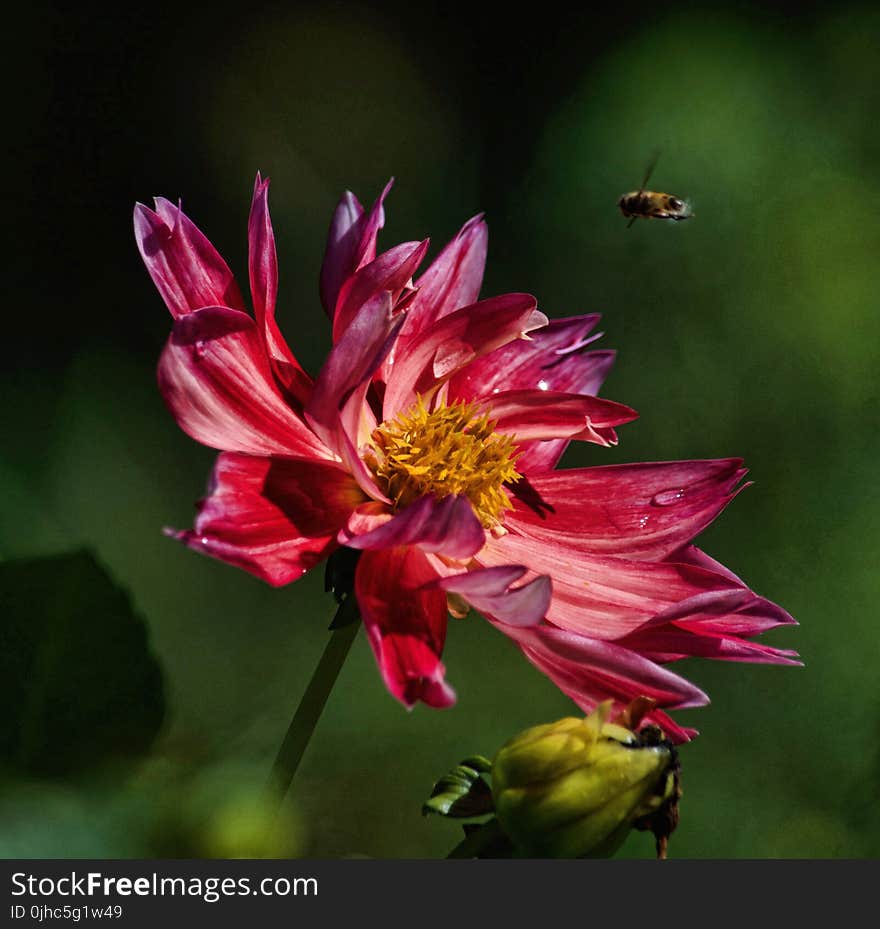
(574, 788)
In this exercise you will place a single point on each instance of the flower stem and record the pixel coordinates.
(310, 707)
(489, 841)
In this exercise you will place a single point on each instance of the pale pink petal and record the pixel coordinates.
(639, 511)
(365, 518)
(546, 414)
(391, 271)
(405, 620)
(490, 591)
(215, 378)
(350, 455)
(447, 527)
(276, 518)
(263, 270)
(424, 362)
(187, 270)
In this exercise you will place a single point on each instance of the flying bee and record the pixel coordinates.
(651, 204)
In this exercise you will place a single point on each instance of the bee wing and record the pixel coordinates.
(650, 170)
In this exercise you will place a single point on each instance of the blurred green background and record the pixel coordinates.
(753, 330)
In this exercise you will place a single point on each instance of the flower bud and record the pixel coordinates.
(574, 788)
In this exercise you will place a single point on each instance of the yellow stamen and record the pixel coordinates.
(452, 449)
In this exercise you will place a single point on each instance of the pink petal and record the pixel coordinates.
(614, 663)
(186, 269)
(365, 251)
(664, 643)
(350, 365)
(339, 255)
(600, 596)
(263, 269)
(589, 671)
(405, 621)
(690, 554)
(276, 518)
(216, 380)
(391, 271)
(453, 280)
(365, 518)
(640, 511)
(588, 686)
(489, 590)
(642, 605)
(351, 243)
(356, 465)
(432, 357)
(554, 359)
(448, 527)
(546, 414)
(737, 610)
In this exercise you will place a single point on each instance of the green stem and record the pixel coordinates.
(489, 841)
(310, 707)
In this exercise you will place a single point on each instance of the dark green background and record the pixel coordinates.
(752, 330)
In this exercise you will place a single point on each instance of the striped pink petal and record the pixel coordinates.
(423, 363)
(216, 380)
(391, 271)
(263, 271)
(187, 270)
(532, 415)
(639, 511)
(453, 279)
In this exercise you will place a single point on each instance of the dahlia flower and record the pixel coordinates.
(428, 442)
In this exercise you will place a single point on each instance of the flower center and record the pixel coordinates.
(452, 449)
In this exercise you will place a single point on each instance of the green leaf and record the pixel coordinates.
(479, 763)
(79, 686)
(462, 793)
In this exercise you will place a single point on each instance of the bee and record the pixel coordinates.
(651, 204)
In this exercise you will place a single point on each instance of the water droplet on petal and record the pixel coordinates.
(543, 385)
(668, 497)
(643, 521)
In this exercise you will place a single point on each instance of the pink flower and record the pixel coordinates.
(428, 443)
